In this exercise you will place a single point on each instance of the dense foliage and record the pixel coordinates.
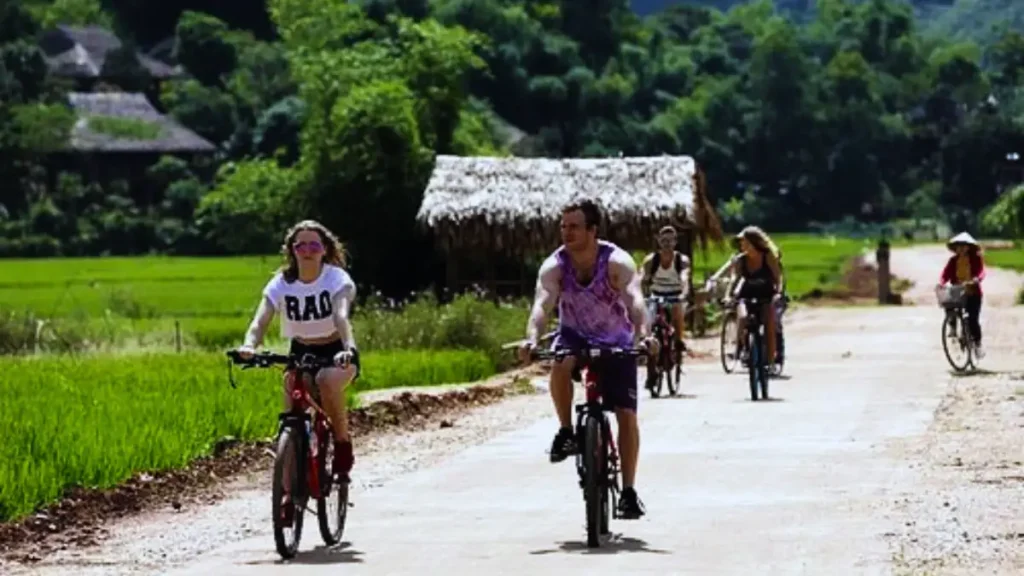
(335, 109)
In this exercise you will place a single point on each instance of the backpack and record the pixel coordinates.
(656, 263)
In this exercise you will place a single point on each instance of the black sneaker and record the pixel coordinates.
(563, 446)
(630, 506)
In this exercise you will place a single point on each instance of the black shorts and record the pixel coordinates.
(325, 351)
(616, 377)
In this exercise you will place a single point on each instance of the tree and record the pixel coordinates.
(202, 47)
(249, 207)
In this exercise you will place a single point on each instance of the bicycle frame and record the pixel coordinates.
(594, 402)
(302, 402)
(752, 319)
(594, 405)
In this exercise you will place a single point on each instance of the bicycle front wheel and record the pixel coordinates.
(954, 345)
(332, 502)
(754, 368)
(671, 369)
(729, 347)
(593, 486)
(287, 515)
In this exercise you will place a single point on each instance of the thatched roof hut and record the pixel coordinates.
(512, 205)
(491, 216)
(110, 122)
(81, 52)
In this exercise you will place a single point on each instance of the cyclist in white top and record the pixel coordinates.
(666, 273)
(313, 293)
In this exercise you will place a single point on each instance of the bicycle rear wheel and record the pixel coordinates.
(593, 487)
(331, 513)
(289, 459)
(954, 344)
(729, 347)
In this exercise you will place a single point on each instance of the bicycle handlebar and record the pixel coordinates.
(305, 361)
(588, 353)
(664, 299)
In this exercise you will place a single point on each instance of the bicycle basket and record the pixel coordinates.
(950, 296)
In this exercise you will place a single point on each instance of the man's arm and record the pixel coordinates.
(684, 273)
(549, 288)
(645, 280)
(626, 280)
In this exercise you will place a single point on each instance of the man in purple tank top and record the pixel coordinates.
(597, 289)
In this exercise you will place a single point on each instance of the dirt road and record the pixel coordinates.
(837, 476)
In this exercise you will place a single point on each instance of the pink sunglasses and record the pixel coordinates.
(312, 247)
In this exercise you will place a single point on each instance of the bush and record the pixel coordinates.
(1005, 218)
(468, 322)
(27, 333)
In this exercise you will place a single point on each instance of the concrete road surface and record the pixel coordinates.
(799, 485)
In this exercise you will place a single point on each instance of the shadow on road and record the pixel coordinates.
(981, 372)
(749, 401)
(615, 544)
(321, 555)
(678, 397)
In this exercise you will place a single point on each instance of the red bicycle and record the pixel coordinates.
(668, 366)
(597, 460)
(302, 461)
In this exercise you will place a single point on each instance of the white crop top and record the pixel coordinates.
(307, 309)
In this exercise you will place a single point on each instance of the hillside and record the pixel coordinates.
(963, 19)
(206, 133)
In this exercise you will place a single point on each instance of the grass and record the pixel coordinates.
(127, 128)
(137, 287)
(120, 415)
(1012, 259)
(190, 287)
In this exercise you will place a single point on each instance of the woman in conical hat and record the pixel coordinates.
(966, 267)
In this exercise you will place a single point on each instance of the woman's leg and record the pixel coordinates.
(741, 327)
(332, 383)
(768, 318)
(973, 305)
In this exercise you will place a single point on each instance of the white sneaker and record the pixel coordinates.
(979, 352)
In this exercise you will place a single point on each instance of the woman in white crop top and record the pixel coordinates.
(313, 293)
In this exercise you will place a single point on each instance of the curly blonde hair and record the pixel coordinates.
(334, 251)
(759, 239)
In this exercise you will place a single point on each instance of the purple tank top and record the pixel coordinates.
(595, 312)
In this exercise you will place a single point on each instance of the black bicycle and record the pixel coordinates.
(305, 449)
(668, 367)
(758, 365)
(597, 460)
(956, 333)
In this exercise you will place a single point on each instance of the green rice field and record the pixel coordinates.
(1012, 259)
(115, 416)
